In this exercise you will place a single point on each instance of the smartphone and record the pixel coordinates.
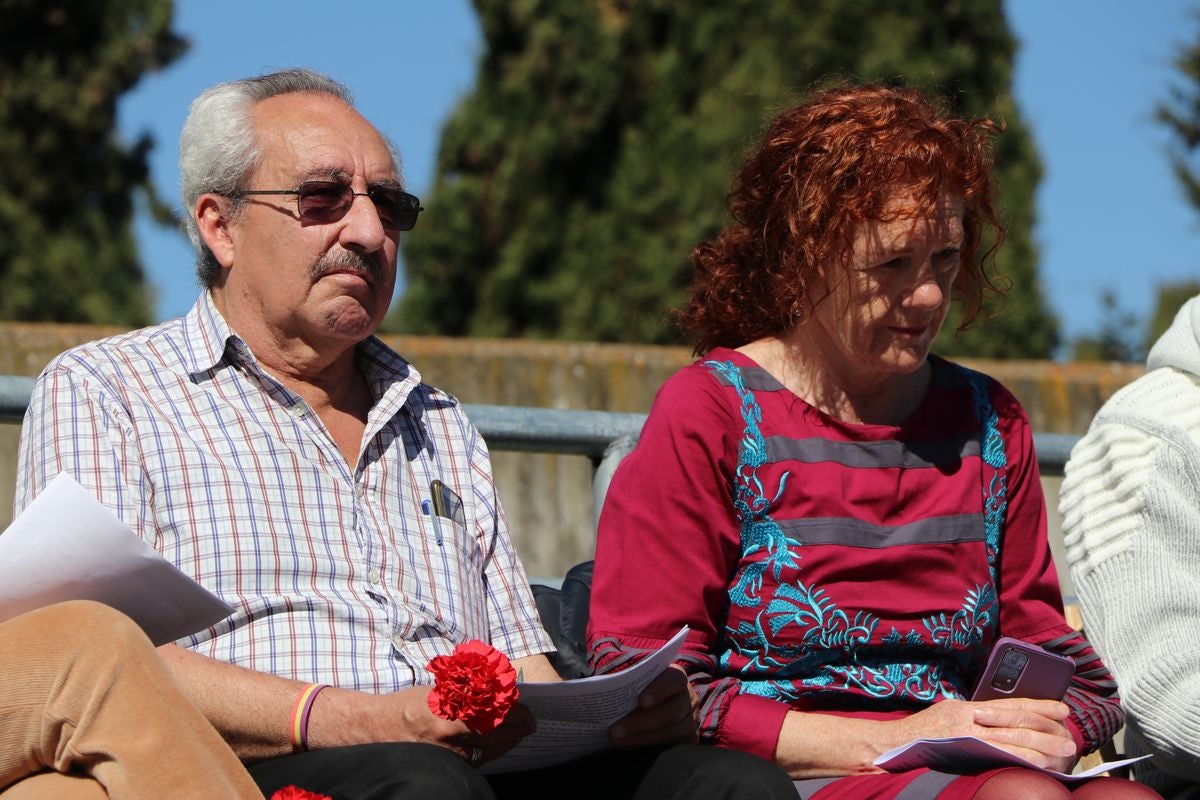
(1020, 669)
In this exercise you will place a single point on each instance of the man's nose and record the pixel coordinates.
(362, 229)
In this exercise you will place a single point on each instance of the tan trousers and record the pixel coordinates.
(88, 711)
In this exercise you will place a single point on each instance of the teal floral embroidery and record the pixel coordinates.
(833, 652)
(825, 625)
(995, 492)
(750, 502)
(913, 682)
(965, 629)
(895, 640)
(750, 642)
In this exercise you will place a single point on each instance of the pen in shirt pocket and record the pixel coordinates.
(427, 509)
(444, 504)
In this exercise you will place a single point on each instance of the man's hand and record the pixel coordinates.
(404, 716)
(479, 748)
(667, 712)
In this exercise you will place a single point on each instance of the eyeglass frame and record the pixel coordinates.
(414, 201)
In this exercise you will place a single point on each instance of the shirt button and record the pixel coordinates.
(374, 576)
(297, 410)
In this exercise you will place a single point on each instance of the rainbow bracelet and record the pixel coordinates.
(300, 712)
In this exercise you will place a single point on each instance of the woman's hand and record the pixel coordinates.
(666, 713)
(1031, 729)
(813, 745)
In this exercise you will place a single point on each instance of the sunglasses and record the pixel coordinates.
(329, 201)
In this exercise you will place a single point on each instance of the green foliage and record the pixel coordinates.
(67, 181)
(1180, 114)
(1117, 338)
(598, 145)
(1171, 296)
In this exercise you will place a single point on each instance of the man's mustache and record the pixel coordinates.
(346, 260)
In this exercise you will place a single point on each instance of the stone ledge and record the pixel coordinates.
(1060, 398)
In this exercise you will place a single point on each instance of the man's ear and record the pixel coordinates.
(212, 222)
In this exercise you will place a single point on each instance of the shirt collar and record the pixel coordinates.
(207, 336)
(209, 342)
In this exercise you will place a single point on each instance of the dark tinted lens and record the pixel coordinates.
(324, 201)
(397, 209)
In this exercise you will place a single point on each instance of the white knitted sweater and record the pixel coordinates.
(1131, 517)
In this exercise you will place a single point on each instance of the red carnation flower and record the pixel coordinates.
(475, 684)
(296, 793)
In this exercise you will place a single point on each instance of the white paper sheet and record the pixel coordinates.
(573, 717)
(65, 545)
(964, 754)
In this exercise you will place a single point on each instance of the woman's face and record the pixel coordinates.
(885, 308)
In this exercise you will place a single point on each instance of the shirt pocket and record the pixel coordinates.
(450, 584)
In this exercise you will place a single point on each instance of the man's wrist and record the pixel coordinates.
(298, 726)
(342, 717)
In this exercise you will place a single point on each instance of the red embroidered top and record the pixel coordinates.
(828, 566)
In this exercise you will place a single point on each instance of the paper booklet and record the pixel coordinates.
(573, 717)
(965, 754)
(65, 545)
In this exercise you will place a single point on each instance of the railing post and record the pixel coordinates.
(15, 392)
(616, 450)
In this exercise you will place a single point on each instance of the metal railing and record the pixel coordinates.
(602, 436)
(15, 392)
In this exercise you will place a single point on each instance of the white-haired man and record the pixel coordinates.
(276, 451)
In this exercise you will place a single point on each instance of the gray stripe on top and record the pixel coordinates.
(869, 455)
(755, 378)
(807, 787)
(927, 786)
(862, 455)
(856, 533)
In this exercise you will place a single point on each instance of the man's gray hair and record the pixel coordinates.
(218, 148)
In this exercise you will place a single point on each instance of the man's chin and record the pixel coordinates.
(350, 320)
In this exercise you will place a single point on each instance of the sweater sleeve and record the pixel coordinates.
(1031, 597)
(1132, 523)
(667, 546)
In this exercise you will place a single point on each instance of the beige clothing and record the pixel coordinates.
(88, 710)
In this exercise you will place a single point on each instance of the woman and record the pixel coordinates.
(845, 522)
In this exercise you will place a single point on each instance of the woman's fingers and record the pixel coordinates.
(1045, 718)
(1032, 730)
(1054, 709)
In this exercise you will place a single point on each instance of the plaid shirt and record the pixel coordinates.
(336, 575)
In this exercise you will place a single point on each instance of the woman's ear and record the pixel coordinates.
(212, 221)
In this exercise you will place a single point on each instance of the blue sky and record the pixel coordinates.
(1088, 76)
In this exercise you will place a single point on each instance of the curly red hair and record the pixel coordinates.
(821, 170)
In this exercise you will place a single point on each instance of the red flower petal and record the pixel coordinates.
(475, 684)
(296, 793)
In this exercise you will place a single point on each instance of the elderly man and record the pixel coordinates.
(277, 452)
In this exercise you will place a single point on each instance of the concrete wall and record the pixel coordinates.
(548, 498)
